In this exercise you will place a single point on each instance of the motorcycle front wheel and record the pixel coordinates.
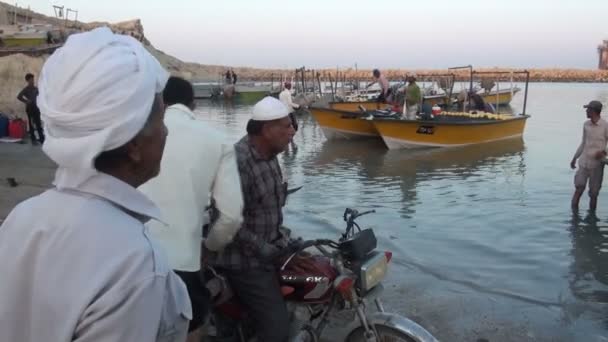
(387, 334)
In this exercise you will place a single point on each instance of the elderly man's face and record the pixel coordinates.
(152, 141)
(279, 133)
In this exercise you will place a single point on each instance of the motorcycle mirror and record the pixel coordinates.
(292, 190)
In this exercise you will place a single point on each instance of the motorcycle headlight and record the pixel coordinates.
(373, 271)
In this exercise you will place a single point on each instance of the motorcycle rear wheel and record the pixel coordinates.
(387, 334)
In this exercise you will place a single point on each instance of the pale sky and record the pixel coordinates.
(374, 33)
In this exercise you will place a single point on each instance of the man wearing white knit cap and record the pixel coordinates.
(78, 262)
(244, 261)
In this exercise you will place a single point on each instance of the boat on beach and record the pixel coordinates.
(206, 90)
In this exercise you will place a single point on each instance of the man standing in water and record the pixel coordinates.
(591, 151)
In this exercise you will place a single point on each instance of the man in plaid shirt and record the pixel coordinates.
(244, 261)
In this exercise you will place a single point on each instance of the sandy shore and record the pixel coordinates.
(30, 167)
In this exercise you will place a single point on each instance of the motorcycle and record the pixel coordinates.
(342, 276)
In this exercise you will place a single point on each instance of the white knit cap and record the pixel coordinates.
(269, 109)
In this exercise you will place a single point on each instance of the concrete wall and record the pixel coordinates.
(603, 62)
(3, 16)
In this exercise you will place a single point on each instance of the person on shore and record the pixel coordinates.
(244, 261)
(383, 82)
(197, 158)
(285, 97)
(234, 77)
(228, 77)
(413, 98)
(78, 263)
(590, 154)
(28, 96)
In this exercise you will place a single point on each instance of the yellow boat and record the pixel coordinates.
(373, 105)
(340, 124)
(449, 129)
(503, 96)
(354, 106)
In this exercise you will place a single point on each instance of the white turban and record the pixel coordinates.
(96, 93)
(268, 109)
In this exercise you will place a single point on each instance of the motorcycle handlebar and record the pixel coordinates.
(351, 214)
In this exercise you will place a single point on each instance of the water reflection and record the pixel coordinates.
(589, 269)
(381, 171)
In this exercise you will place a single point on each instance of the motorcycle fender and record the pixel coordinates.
(396, 322)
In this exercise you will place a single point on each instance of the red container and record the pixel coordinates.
(436, 110)
(16, 129)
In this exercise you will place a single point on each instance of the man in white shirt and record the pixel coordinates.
(77, 261)
(590, 155)
(285, 97)
(198, 164)
(384, 86)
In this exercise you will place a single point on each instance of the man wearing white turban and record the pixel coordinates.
(83, 268)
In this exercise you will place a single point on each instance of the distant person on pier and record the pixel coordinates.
(383, 82)
(28, 96)
(285, 97)
(234, 77)
(590, 155)
(228, 77)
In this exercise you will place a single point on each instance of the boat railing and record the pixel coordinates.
(511, 74)
(450, 77)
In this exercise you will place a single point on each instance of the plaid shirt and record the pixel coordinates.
(264, 194)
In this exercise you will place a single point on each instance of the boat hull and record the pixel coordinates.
(251, 96)
(400, 134)
(435, 99)
(24, 42)
(503, 97)
(354, 106)
(337, 124)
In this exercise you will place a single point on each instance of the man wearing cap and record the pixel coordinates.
(198, 164)
(590, 155)
(244, 261)
(285, 97)
(78, 263)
